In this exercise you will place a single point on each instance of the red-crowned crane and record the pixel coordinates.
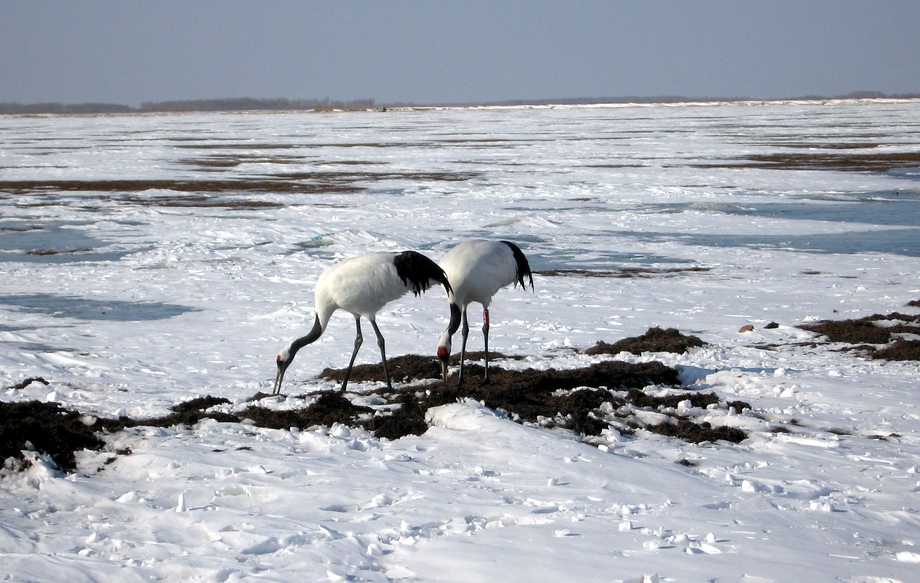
(362, 286)
(477, 269)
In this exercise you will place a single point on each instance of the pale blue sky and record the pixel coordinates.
(436, 51)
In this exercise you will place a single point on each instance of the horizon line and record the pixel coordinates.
(327, 104)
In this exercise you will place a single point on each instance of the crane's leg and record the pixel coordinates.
(358, 340)
(383, 353)
(485, 337)
(464, 333)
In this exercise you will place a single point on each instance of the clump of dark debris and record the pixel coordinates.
(47, 428)
(586, 400)
(654, 340)
(328, 408)
(570, 399)
(880, 335)
(900, 349)
(624, 273)
(402, 369)
(407, 368)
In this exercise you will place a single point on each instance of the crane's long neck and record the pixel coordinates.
(311, 337)
(286, 356)
(444, 343)
(454, 319)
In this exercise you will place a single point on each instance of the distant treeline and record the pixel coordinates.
(252, 104)
(225, 104)
(684, 99)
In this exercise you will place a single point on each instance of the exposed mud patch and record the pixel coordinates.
(625, 273)
(865, 161)
(900, 349)
(587, 401)
(318, 181)
(879, 335)
(551, 398)
(408, 368)
(329, 408)
(198, 201)
(654, 340)
(47, 428)
(607, 396)
(407, 419)
(49, 252)
(591, 400)
(402, 369)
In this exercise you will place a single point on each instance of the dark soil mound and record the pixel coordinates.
(185, 413)
(580, 400)
(859, 331)
(331, 407)
(407, 368)
(44, 427)
(612, 374)
(654, 340)
(698, 432)
(402, 369)
(529, 395)
(408, 419)
(874, 330)
(587, 400)
(901, 349)
(546, 402)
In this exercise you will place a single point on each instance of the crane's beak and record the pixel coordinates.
(282, 366)
(444, 370)
(443, 357)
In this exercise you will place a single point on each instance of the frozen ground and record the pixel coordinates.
(148, 260)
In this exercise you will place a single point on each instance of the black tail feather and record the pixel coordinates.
(417, 271)
(523, 267)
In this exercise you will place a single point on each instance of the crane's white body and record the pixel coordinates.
(362, 286)
(477, 269)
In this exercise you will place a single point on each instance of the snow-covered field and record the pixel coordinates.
(149, 259)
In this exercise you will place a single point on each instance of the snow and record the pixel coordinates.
(149, 301)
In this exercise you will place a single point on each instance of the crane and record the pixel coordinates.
(477, 269)
(362, 286)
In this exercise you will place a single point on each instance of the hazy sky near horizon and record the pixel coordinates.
(435, 51)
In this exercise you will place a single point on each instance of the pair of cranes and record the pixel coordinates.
(472, 271)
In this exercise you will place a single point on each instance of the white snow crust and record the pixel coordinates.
(170, 302)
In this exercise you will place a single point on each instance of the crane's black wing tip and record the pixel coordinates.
(523, 266)
(418, 271)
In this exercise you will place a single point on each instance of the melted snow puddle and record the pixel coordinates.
(61, 306)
